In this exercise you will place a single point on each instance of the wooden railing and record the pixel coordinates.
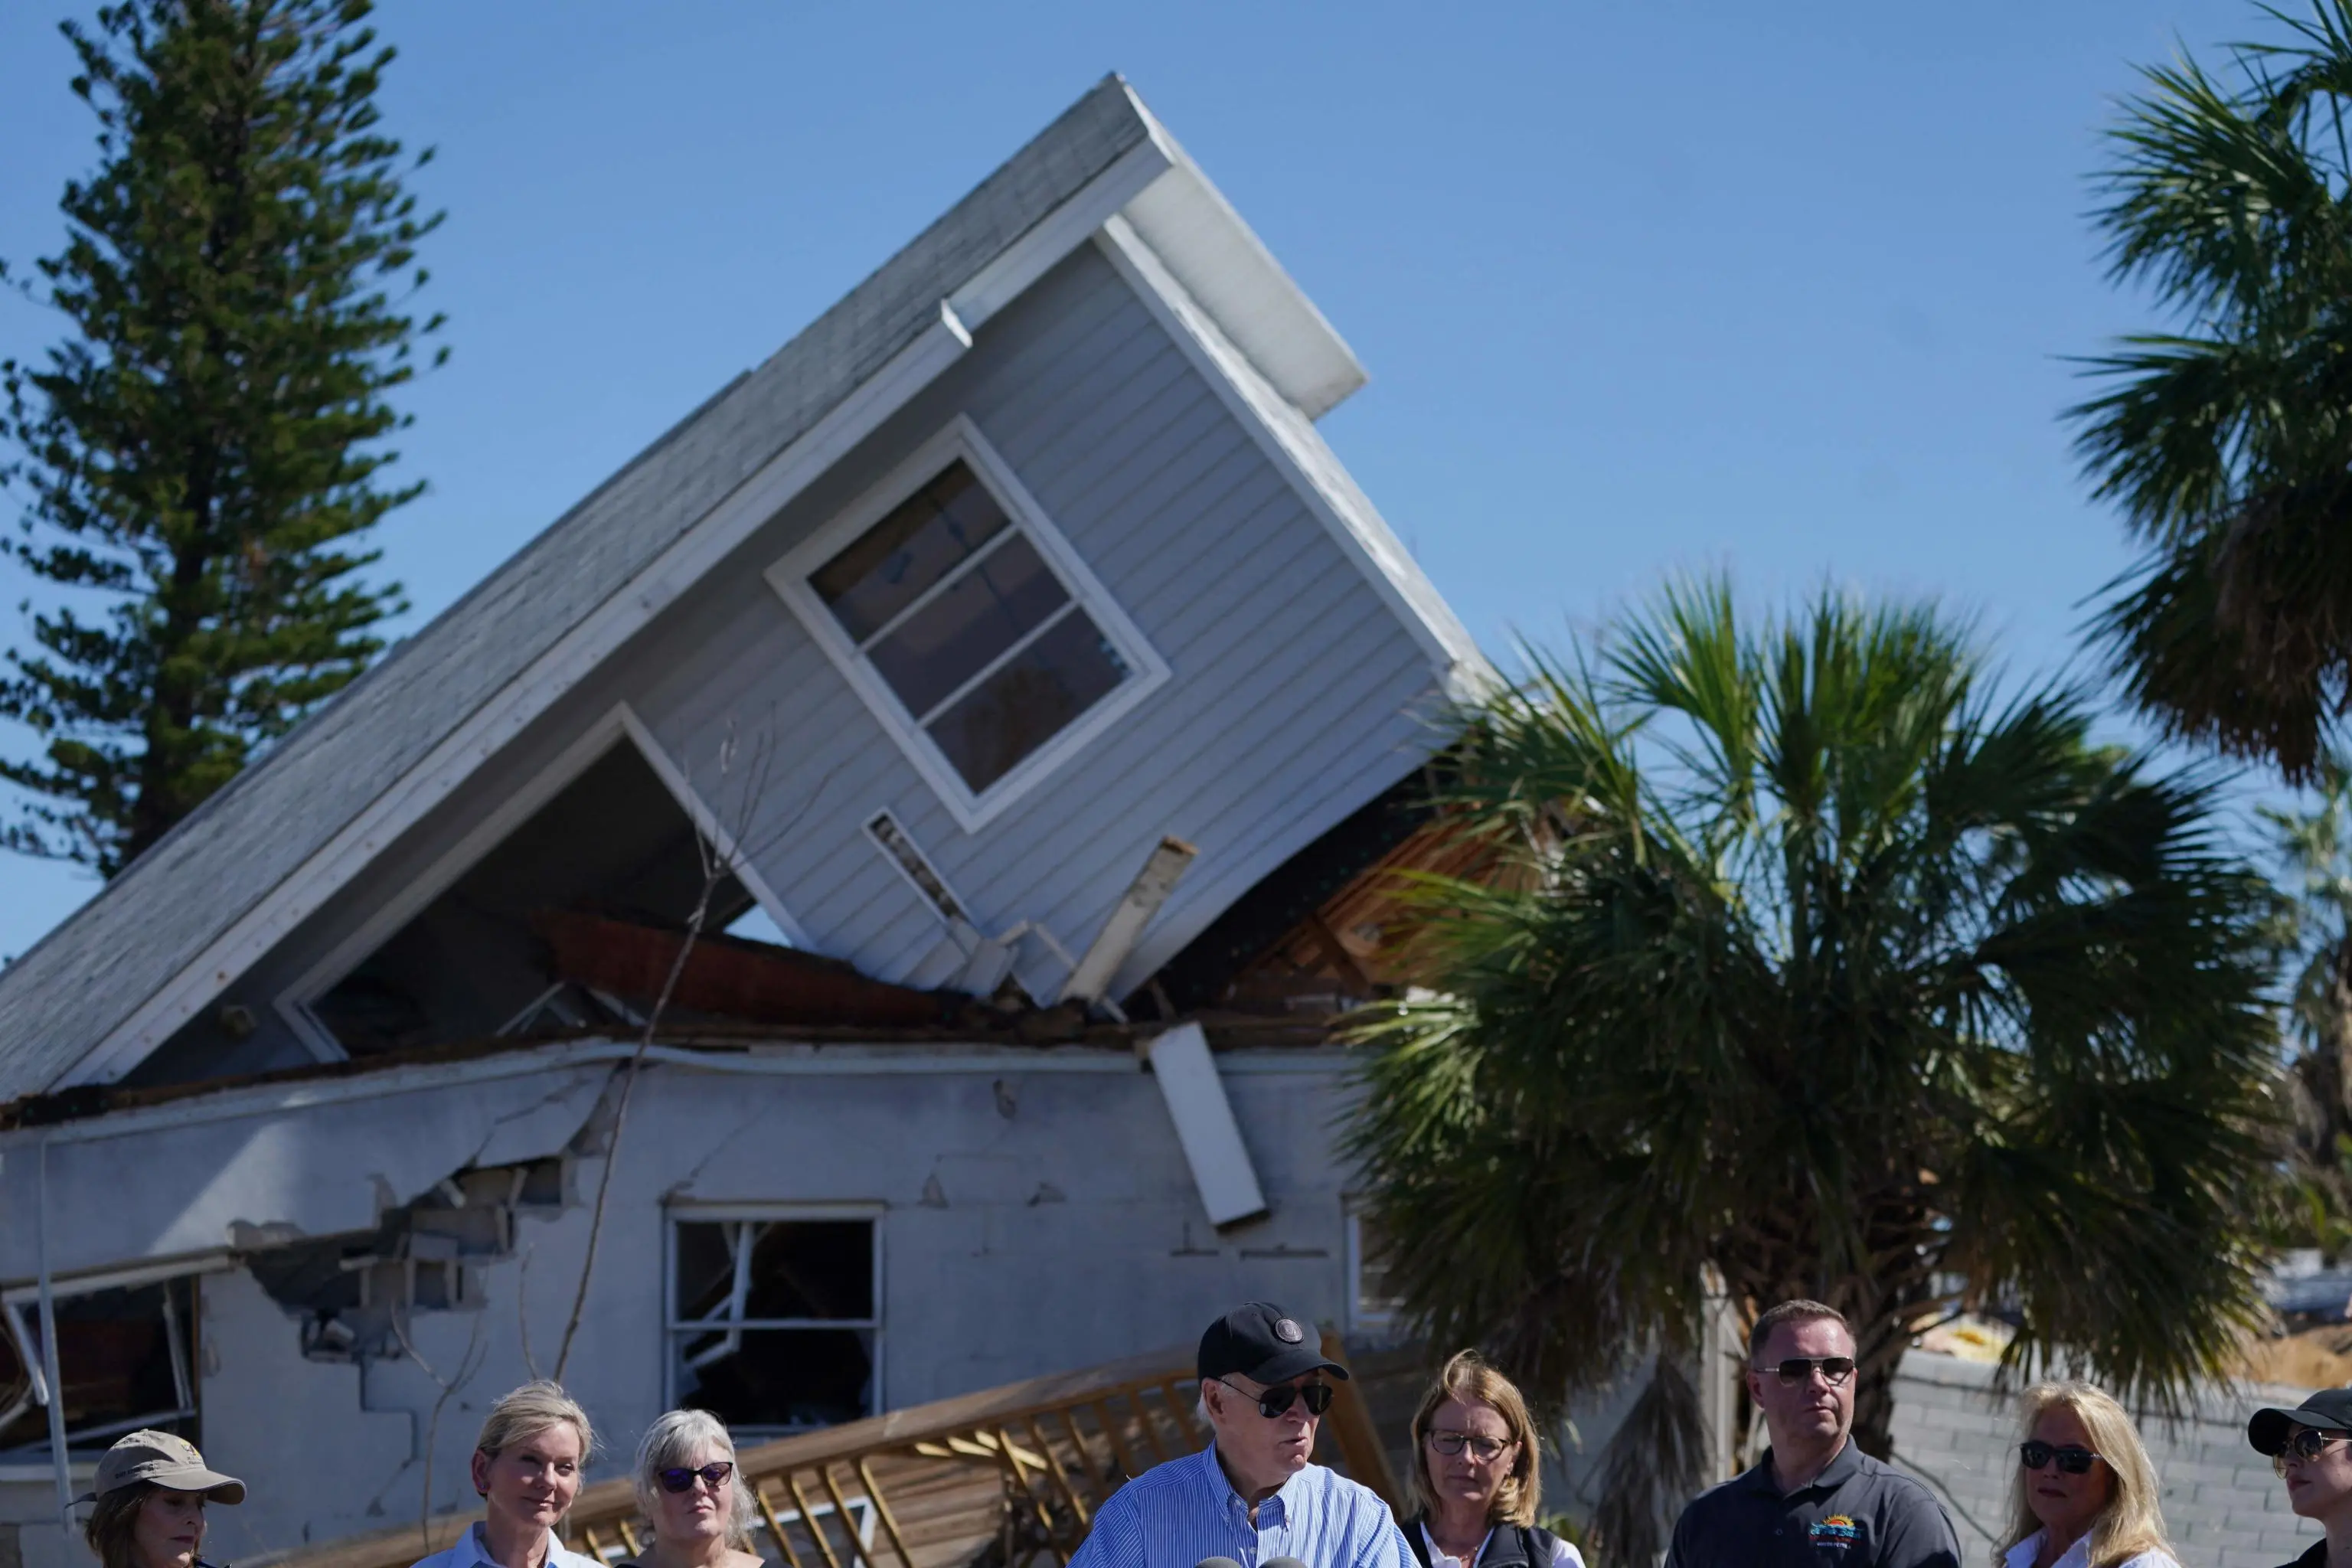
(1021, 1469)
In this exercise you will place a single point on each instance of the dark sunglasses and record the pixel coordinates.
(1275, 1401)
(678, 1478)
(2307, 1445)
(2074, 1459)
(1834, 1369)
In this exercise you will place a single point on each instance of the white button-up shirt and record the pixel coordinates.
(2078, 1556)
(472, 1549)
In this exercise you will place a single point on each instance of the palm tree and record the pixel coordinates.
(1813, 969)
(2314, 848)
(2228, 443)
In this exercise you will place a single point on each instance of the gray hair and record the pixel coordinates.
(671, 1443)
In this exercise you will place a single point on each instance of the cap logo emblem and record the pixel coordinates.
(1288, 1333)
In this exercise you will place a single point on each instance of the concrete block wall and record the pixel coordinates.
(2221, 1503)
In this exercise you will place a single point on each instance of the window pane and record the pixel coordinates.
(115, 1355)
(705, 1270)
(894, 563)
(1030, 701)
(800, 1269)
(811, 1269)
(952, 639)
(780, 1377)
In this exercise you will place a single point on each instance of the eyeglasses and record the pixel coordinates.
(2307, 1445)
(680, 1478)
(1486, 1450)
(2073, 1458)
(1275, 1401)
(1834, 1369)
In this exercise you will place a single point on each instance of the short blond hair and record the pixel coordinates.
(2132, 1523)
(1468, 1378)
(528, 1411)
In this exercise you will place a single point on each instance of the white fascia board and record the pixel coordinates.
(1205, 1127)
(620, 618)
(1301, 455)
(784, 1058)
(1220, 262)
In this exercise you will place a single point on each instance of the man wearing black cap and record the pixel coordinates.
(1251, 1495)
(2310, 1447)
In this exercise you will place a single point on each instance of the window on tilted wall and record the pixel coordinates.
(774, 1317)
(967, 622)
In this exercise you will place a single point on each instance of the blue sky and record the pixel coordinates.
(1785, 289)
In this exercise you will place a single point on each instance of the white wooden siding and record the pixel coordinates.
(1296, 693)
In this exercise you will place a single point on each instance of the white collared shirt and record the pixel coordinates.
(472, 1549)
(1563, 1555)
(2078, 1556)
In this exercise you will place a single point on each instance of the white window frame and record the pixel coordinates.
(676, 1214)
(1372, 1327)
(790, 578)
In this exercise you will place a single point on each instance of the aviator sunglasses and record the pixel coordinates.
(1275, 1401)
(2307, 1445)
(2074, 1459)
(1834, 1369)
(679, 1477)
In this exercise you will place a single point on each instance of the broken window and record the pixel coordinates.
(983, 643)
(775, 1320)
(126, 1355)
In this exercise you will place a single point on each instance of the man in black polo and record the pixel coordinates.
(1814, 1499)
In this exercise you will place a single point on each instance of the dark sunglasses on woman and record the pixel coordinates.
(1275, 1401)
(2307, 1445)
(2073, 1458)
(677, 1479)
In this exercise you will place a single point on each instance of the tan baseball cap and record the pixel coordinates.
(167, 1461)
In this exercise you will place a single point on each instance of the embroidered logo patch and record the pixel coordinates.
(1288, 1333)
(1837, 1529)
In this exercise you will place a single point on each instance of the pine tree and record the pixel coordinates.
(199, 462)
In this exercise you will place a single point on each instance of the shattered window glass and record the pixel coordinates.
(775, 1325)
(126, 1357)
(958, 613)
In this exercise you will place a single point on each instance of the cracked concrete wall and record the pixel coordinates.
(296, 1171)
(1029, 1221)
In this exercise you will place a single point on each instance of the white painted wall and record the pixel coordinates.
(1032, 1220)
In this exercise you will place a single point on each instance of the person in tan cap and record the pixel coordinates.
(151, 1495)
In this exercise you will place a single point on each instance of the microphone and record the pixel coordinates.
(1217, 1563)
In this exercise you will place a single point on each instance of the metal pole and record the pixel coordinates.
(56, 1379)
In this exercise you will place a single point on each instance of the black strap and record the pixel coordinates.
(1536, 1544)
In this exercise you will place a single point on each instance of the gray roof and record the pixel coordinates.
(87, 978)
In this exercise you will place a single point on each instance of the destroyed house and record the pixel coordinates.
(1025, 708)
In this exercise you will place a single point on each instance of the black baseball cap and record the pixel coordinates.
(1263, 1343)
(2328, 1410)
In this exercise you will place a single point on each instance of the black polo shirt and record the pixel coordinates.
(1857, 1513)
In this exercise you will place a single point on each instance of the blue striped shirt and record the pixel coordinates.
(1175, 1514)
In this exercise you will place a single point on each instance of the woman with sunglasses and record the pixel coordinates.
(700, 1508)
(2310, 1447)
(1476, 1476)
(2085, 1494)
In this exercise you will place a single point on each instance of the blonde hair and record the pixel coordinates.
(672, 1441)
(2132, 1522)
(528, 1411)
(1469, 1379)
